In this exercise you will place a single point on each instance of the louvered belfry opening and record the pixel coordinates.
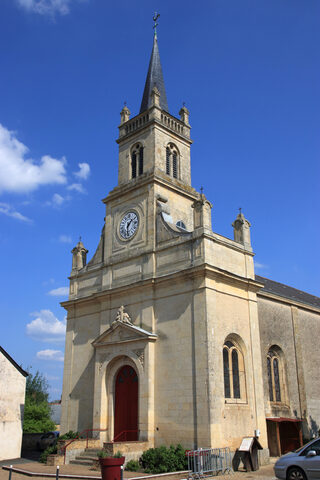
(141, 161)
(134, 165)
(168, 161)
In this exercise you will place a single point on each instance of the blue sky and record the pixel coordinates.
(249, 73)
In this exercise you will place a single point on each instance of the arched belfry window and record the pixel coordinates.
(137, 160)
(168, 161)
(275, 367)
(140, 160)
(174, 165)
(233, 372)
(172, 161)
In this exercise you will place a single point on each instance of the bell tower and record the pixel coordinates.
(154, 141)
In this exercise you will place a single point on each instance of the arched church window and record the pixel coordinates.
(141, 161)
(235, 374)
(134, 165)
(275, 375)
(172, 161)
(168, 161)
(137, 160)
(233, 371)
(227, 391)
(174, 165)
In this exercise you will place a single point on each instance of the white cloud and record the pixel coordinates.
(84, 171)
(46, 7)
(20, 174)
(65, 239)
(53, 355)
(260, 266)
(77, 187)
(57, 199)
(46, 327)
(51, 377)
(8, 210)
(59, 292)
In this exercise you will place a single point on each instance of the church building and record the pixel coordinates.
(171, 337)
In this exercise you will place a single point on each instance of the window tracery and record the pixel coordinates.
(181, 224)
(233, 372)
(275, 375)
(137, 160)
(172, 161)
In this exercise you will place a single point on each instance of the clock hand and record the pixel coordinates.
(128, 225)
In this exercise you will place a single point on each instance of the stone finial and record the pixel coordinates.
(241, 230)
(122, 316)
(184, 115)
(155, 97)
(125, 114)
(79, 256)
(202, 213)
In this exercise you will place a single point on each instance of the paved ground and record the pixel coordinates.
(265, 473)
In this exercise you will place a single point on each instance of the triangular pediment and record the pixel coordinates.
(120, 332)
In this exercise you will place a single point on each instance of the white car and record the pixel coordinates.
(303, 464)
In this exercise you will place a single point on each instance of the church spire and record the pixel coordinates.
(154, 78)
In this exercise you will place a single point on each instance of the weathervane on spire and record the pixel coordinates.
(155, 18)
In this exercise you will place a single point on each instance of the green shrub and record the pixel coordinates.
(104, 454)
(37, 417)
(163, 459)
(69, 435)
(48, 451)
(133, 466)
(118, 455)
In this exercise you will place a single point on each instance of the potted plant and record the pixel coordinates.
(110, 465)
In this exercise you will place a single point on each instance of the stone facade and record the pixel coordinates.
(197, 328)
(289, 327)
(12, 386)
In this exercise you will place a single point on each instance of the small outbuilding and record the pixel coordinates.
(12, 395)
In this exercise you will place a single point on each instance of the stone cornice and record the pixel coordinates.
(196, 234)
(190, 272)
(153, 177)
(128, 340)
(288, 301)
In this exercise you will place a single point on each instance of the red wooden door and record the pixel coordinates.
(126, 405)
(289, 436)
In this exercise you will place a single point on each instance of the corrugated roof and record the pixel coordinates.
(285, 291)
(6, 354)
(154, 79)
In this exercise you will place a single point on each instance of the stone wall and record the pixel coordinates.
(12, 387)
(130, 450)
(293, 328)
(72, 450)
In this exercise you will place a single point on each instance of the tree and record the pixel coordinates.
(37, 387)
(36, 409)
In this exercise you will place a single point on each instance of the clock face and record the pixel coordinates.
(129, 225)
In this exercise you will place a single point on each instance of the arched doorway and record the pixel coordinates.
(126, 405)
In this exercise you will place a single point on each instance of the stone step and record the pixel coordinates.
(90, 453)
(80, 461)
(84, 456)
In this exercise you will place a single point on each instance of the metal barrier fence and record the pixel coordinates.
(209, 461)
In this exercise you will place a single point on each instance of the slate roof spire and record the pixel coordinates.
(154, 79)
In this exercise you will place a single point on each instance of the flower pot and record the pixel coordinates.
(111, 468)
